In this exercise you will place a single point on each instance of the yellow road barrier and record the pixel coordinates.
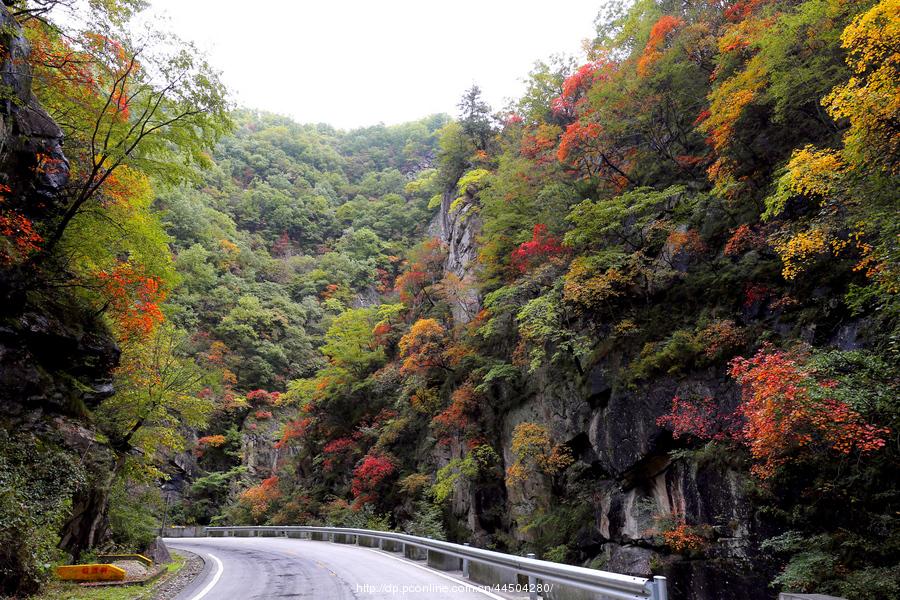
(90, 573)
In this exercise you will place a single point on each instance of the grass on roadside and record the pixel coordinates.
(62, 590)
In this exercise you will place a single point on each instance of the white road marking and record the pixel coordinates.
(214, 580)
(438, 573)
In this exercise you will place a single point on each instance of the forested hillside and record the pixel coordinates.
(644, 318)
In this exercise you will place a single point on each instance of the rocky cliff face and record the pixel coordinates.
(636, 490)
(458, 229)
(624, 463)
(54, 357)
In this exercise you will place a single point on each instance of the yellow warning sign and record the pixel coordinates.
(90, 573)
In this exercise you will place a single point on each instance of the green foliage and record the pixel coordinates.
(542, 324)
(349, 342)
(677, 354)
(426, 521)
(455, 150)
(37, 480)
(481, 461)
(132, 516)
(623, 221)
(719, 179)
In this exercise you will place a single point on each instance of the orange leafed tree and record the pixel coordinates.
(134, 300)
(786, 411)
(660, 34)
(258, 498)
(783, 414)
(423, 348)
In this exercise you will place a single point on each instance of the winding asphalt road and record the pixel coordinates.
(262, 568)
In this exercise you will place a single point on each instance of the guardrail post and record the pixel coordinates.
(380, 544)
(532, 582)
(465, 564)
(659, 589)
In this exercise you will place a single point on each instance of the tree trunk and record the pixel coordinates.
(88, 526)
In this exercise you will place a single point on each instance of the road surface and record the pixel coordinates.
(262, 568)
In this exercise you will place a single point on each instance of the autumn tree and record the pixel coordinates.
(541, 248)
(787, 410)
(350, 341)
(535, 453)
(369, 478)
(156, 396)
(150, 104)
(424, 347)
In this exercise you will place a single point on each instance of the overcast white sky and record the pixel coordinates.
(352, 63)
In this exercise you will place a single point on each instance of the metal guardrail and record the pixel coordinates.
(611, 585)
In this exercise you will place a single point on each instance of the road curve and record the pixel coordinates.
(262, 568)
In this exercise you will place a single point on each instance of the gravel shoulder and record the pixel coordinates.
(172, 586)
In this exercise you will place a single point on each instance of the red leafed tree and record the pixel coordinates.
(371, 473)
(282, 246)
(585, 150)
(538, 250)
(688, 242)
(460, 416)
(294, 430)
(700, 418)
(259, 397)
(742, 239)
(785, 411)
(539, 142)
(19, 239)
(211, 440)
(133, 300)
(425, 269)
(208, 441)
(574, 88)
(337, 452)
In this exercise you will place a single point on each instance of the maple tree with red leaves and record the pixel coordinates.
(786, 410)
(702, 418)
(583, 148)
(539, 142)
(293, 430)
(422, 272)
(742, 239)
(574, 87)
(371, 473)
(756, 292)
(540, 248)
(338, 451)
(260, 497)
(19, 237)
(263, 397)
(460, 416)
